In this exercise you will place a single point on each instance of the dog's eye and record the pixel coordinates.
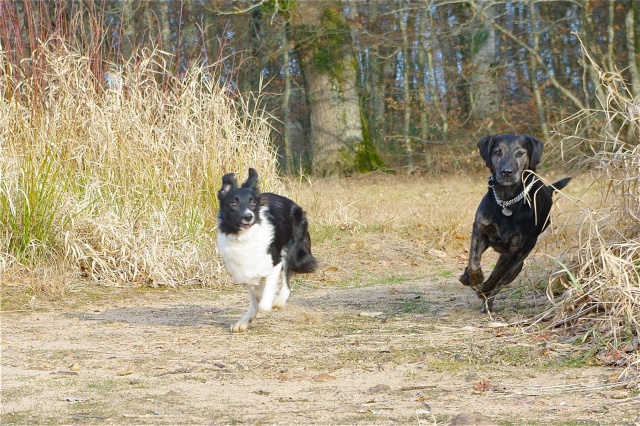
(497, 152)
(520, 153)
(233, 204)
(253, 203)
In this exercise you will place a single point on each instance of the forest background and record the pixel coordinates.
(355, 86)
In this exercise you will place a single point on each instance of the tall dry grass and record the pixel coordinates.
(601, 275)
(115, 176)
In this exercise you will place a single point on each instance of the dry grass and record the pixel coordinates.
(380, 228)
(601, 272)
(120, 184)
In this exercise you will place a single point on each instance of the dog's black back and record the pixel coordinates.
(243, 206)
(292, 232)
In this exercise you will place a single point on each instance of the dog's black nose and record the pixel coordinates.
(247, 217)
(506, 172)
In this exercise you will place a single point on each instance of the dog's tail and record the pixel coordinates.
(557, 186)
(303, 261)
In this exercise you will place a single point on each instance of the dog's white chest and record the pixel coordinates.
(246, 255)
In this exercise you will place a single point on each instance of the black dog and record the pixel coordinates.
(512, 213)
(261, 238)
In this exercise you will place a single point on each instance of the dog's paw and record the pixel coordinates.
(282, 298)
(472, 278)
(487, 303)
(464, 279)
(240, 326)
(265, 306)
(279, 304)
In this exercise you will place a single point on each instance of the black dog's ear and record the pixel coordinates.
(229, 183)
(484, 145)
(535, 151)
(252, 180)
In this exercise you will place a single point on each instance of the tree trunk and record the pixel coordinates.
(611, 36)
(533, 72)
(633, 132)
(433, 79)
(329, 68)
(375, 84)
(406, 90)
(288, 156)
(422, 92)
(484, 88)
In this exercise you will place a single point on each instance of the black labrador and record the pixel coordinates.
(512, 214)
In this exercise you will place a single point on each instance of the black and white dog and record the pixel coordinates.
(261, 237)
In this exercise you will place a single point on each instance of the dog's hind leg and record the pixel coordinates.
(492, 286)
(506, 270)
(251, 313)
(270, 289)
(285, 289)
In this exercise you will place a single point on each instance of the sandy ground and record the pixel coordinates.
(412, 353)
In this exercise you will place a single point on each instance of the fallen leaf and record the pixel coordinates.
(482, 386)
(437, 253)
(65, 372)
(323, 377)
(370, 314)
(380, 388)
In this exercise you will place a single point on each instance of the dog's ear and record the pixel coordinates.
(535, 151)
(484, 146)
(229, 183)
(252, 180)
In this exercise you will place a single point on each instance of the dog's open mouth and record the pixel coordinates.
(246, 225)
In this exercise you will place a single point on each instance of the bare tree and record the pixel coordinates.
(484, 88)
(406, 89)
(323, 43)
(633, 52)
(533, 71)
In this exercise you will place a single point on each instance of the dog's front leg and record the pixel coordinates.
(472, 275)
(270, 289)
(252, 312)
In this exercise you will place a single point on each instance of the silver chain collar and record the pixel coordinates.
(505, 204)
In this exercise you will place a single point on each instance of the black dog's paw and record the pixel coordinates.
(464, 279)
(487, 303)
(471, 279)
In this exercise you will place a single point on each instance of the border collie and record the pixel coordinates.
(261, 237)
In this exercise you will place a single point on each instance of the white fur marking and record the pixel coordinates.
(248, 261)
(284, 293)
(270, 289)
(245, 254)
(251, 313)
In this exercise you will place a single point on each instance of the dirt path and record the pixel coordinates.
(408, 353)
